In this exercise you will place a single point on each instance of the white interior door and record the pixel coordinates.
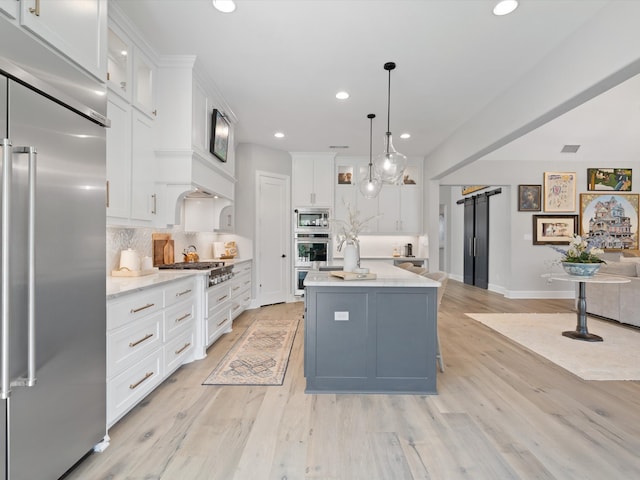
(273, 239)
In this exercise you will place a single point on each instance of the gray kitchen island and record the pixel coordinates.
(370, 335)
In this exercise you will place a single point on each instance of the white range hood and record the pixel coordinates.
(189, 175)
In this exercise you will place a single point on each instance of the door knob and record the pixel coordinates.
(283, 255)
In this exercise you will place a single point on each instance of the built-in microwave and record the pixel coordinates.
(311, 219)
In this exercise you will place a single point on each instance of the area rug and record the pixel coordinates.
(260, 356)
(616, 358)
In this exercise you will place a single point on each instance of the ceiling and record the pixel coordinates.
(279, 64)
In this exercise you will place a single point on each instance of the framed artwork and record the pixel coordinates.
(219, 143)
(529, 198)
(410, 175)
(467, 189)
(559, 191)
(554, 229)
(345, 175)
(607, 179)
(610, 220)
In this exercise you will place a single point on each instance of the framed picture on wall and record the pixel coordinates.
(219, 143)
(610, 220)
(559, 191)
(345, 175)
(554, 229)
(609, 179)
(529, 198)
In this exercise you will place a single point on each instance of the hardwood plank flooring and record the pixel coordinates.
(502, 412)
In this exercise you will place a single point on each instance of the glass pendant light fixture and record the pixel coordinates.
(390, 164)
(371, 184)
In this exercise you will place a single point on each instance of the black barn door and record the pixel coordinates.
(476, 239)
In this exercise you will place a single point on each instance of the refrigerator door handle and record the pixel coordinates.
(30, 380)
(5, 248)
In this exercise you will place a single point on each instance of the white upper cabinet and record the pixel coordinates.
(397, 208)
(144, 83)
(119, 69)
(312, 182)
(76, 28)
(118, 159)
(10, 8)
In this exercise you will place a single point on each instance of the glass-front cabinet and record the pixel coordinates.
(119, 63)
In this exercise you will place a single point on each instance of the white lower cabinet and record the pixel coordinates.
(150, 333)
(218, 307)
(240, 288)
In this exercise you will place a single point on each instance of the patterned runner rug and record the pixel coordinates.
(260, 356)
(616, 358)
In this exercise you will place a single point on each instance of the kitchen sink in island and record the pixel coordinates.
(371, 336)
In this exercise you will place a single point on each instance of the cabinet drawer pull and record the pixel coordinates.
(222, 297)
(183, 317)
(236, 288)
(35, 11)
(221, 322)
(186, 345)
(246, 299)
(183, 293)
(147, 375)
(139, 309)
(247, 282)
(146, 337)
(236, 307)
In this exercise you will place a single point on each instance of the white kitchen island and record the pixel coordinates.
(371, 336)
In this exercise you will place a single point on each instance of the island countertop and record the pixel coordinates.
(387, 275)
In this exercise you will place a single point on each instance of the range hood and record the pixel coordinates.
(189, 175)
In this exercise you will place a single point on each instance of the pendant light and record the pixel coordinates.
(371, 184)
(390, 164)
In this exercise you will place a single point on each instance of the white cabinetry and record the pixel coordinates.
(218, 318)
(398, 208)
(131, 141)
(76, 29)
(186, 99)
(312, 179)
(118, 159)
(119, 59)
(150, 333)
(10, 8)
(240, 288)
(144, 81)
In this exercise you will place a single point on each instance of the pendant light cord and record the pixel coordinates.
(371, 116)
(388, 67)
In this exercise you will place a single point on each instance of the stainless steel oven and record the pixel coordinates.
(311, 220)
(312, 251)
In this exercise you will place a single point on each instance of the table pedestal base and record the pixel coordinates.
(587, 337)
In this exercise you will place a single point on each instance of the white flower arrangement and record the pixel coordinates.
(580, 251)
(348, 230)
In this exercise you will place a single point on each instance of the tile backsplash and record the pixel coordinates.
(139, 239)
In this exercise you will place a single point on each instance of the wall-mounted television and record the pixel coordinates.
(219, 143)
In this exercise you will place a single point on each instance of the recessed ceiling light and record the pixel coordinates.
(224, 6)
(342, 95)
(505, 7)
(278, 135)
(405, 135)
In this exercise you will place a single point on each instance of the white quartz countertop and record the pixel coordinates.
(387, 275)
(117, 286)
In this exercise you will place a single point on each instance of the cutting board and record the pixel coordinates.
(163, 252)
(353, 276)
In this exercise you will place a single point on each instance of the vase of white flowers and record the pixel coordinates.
(347, 236)
(581, 259)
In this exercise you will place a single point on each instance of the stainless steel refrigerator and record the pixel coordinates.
(52, 336)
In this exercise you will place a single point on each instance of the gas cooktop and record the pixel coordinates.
(192, 265)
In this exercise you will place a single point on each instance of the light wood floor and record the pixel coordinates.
(502, 412)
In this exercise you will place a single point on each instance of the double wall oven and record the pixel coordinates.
(312, 243)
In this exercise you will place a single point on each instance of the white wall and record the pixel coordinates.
(515, 264)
